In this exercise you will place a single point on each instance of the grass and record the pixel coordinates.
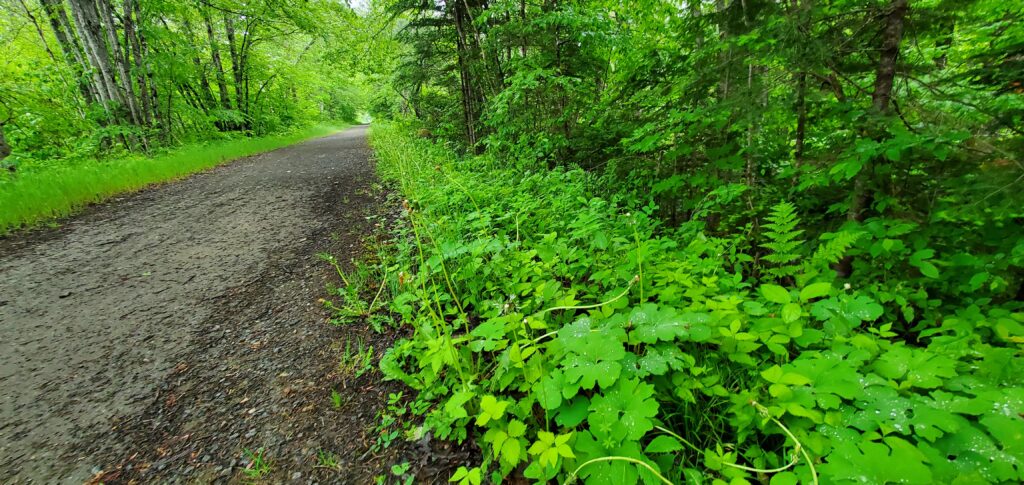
(258, 466)
(35, 197)
(328, 459)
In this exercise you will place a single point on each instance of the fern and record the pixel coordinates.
(834, 246)
(782, 233)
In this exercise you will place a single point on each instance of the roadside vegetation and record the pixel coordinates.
(39, 195)
(710, 242)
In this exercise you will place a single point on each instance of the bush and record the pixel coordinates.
(574, 337)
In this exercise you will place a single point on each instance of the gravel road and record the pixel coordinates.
(156, 337)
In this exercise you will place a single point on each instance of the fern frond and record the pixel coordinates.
(783, 243)
(834, 246)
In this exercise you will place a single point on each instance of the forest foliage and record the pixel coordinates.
(729, 241)
(87, 80)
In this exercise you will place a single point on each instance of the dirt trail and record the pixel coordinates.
(155, 337)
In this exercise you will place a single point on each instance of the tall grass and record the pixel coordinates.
(34, 197)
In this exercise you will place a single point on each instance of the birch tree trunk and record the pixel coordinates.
(70, 48)
(236, 63)
(218, 65)
(139, 68)
(89, 31)
(122, 72)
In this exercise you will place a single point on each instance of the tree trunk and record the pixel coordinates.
(140, 67)
(39, 30)
(801, 118)
(465, 78)
(236, 62)
(218, 65)
(202, 98)
(89, 31)
(70, 47)
(122, 71)
(881, 97)
(5, 149)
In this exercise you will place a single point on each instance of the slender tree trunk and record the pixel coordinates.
(123, 73)
(801, 118)
(5, 149)
(465, 78)
(696, 13)
(236, 64)
(522, 34)
(140, 69)
(202, 98)
(881, 97)
(946, 42)
(89, 31)
(218, 65)
(70, 47)
(726, 56)
(39, 30)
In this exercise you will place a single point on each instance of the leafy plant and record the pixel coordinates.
(782, 233)
(337, 400)
(600, 346)
(351, 305)
(258, 466)
(327, 459)
(401, 471)
(356, 362)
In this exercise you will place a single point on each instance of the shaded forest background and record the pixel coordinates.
(94, 79)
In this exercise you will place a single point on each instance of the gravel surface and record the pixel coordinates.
(156, 337)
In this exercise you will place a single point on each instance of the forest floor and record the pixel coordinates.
(157, 337)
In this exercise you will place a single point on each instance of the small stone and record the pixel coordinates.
(296, 475)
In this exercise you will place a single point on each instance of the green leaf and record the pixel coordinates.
(491, 409)
(784, 478)
(516, 428)
(815, 290)
(775, 294)
(652, 325)
(550, 447)
(663, 444)
(548, 390)
(594, 356)
(630, 403)
(791, 312)
(772, 374)
(928, 269)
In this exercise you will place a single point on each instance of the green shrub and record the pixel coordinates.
(573, 337)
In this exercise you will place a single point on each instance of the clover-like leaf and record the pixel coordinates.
(593, 355)
(491, 409)
(630, 402)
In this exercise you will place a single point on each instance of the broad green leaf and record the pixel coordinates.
(775, 294)
(791, 312)
(663, 444)
(815, 290)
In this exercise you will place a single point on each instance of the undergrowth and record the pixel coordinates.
(576, 338)
(31, 197)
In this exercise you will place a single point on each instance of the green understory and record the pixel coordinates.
(572, 336)
(34, 196)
